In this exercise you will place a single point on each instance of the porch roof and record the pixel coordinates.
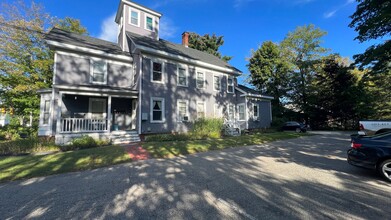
(97, 90)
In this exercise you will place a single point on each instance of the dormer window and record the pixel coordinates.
(149, 22)
(134, 17)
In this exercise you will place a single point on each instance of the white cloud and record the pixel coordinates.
(167, 28)
(109, 29)
(334, 12)
(330, 14)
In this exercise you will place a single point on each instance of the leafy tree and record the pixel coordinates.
(337, 94)
(209, 44)
(269, 70)
(71, 25)
(372, 20)
(25, 61)
(303, 49)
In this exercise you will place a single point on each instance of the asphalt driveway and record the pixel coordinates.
(299, 178)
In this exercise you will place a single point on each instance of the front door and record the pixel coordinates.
(134, 113)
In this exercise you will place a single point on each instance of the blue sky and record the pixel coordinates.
(245, 24)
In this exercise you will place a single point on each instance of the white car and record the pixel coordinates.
(374, 127)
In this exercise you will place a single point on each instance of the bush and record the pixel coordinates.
(83, 142)
(26, 146)
(202, 129)
(207, 128)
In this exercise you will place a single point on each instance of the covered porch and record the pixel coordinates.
(103, 113)
(91, 114)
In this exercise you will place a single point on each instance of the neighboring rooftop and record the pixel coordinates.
(178, 50)
(252, 91)
(66, 37)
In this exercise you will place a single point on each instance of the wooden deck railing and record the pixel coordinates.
(79, 125)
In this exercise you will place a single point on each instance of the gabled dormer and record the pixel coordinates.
(135, 18)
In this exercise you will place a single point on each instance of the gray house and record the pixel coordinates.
(140, 85)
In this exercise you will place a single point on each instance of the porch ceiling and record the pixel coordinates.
(101, 90)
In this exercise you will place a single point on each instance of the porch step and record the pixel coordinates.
(124, 137)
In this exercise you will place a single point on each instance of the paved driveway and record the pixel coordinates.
(301, 178)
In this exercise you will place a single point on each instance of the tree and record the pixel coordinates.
(269, 70)
(303, 49)
(71, 25)
(25, 60)
(209, 44)
(372, 20)
(337, 94)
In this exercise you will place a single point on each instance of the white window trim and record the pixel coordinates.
(233, 84)
(204, 104)
(255, 118)
(244, 111)
(186, 74)
(92, 60)
(48, 111)
(138, 17)
(151, 110)
(214, 89)
(187, 109)
(157, 61)
(219, 111)
(153, 22)
(233, 108)
(203, 74)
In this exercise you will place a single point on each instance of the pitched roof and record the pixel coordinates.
(178, 50)
(66, 37)
(250, 91)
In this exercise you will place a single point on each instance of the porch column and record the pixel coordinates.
(58, 115)
(109, 114)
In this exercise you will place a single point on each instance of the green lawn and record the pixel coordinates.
(13, 168)
(21, 167)
(177, 148)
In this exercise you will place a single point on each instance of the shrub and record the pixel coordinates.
(202, 128)
(207, 128)
(83, 142)
(26, 146)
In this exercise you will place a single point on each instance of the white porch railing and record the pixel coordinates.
(79, 125)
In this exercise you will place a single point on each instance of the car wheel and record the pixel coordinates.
(298, 130)
(385, 169)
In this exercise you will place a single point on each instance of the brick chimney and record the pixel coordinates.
(185, 39)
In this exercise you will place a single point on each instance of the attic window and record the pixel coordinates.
(230, 83)
(149, 23)
(134, 17)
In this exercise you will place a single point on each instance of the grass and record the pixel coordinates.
(176, 148)
(13, 168)
(21, 167)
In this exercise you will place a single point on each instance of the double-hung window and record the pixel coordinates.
(242, 112)
(231, 112)
(98, 71)
(134, 17)
(230, 85)
(157, 110)
(200, 110)
(216, 83)
(183, 110)
(217, 111)
(148, 22)
(182, 76)
(200, 80)
(46, 111)
(157, 71)
(255, 112)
